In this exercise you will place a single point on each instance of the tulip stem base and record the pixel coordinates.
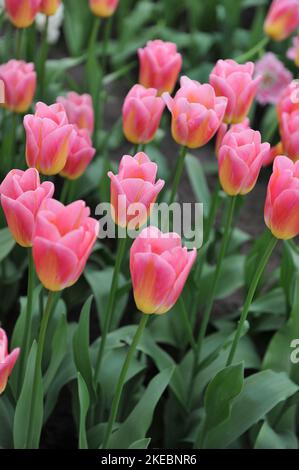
(178, 173)
(254, 283)
(122, 378)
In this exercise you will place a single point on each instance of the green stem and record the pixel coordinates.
(254, 283)
(65, 191)
(43, 58)
(178, 173)
(52, 298)
(253, 51)
(136, 149)
(111, 304)
(122, 378)
(19, 42)
(28, 320)
(186, 324)
(107, 34)
(94, 88)
(12, 142)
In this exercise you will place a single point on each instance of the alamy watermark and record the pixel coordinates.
(2, 92)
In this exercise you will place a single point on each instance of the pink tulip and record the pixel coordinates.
(282, 202)
(282, 19)
(49, 7)
(79, 110)
(159, 268)
(240, 159)
(224, 128)
(142, 112)
(275, 77)
(80, 156)
(7, 361)
(103, 8)
(48, 138)
(236, 82)
(289, 100)
(289, 131)
(19, 80)
(22, 12)
(160, 65)
(22, 195)
(274, 152)
(134, 184)
(293, 52)
(63, 240)
(196, 113)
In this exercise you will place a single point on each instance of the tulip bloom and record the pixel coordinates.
(81, 154)
(282, 202)
(289, 130)
(103, 8)
(282, 19)
(49, 7)
(224, 128)
(19, 80)
(22, 12)
(160, 65)
(63, 240)
(236, 82)
(240, 159)
(196, 113)
(142, 112)
(79, 110)
(288, 101)
(48, 138)
(134, 184)
(159, 268)
(22, 195)
(7, 361)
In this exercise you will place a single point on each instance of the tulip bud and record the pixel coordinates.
(22, 195)
(236, 82)
(79, 110)
(49, 7)
(19, 80)
(142, 112)
(159, 269)
(7, 361)
(240, 159)
(22, 12)
(282, 19)
(134, 184)
(196, 113)
(103, 8)
(160, 65)
(48, 138)
(80, 156)
(282, 202)
(63, 240)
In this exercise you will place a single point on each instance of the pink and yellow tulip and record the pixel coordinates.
(241, 156)
(49, 7)
(282, 202)
(22, 195)
(142, 112)
(19, 80)
(79, 110)
(289, 130)
(7, 361)
(159, 268)
(196, 113)
(22, 12)
(224, 128)
(288, 101)
(49, 138)
(160, 65)
(103, 8)
(63, 240)
(80, 155)
(282, 19)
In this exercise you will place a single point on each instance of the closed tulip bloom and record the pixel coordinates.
(142, 112)
(240, 159)
(48, 138)
(160, 65)
(282, 19)
(22, 12)
(103, 8)
(19, 80)
(79, 110)
(63, 240)
(135, 183)
(224, 128)
(80, 156)
(282, 201)
(22, 195)
(49, 7)
(7, 361)
(288, 101)
(196, 113)
(236, 82)
(159, 269)
(289, 131)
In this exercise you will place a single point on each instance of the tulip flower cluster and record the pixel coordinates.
(22, 13)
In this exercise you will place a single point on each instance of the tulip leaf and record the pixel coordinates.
(198, 182)
(138, 422)
(141, 443)
(6, 243)
(268, 438)
(6, 420)
(84, 405)
(59, 346)
(29, 410)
